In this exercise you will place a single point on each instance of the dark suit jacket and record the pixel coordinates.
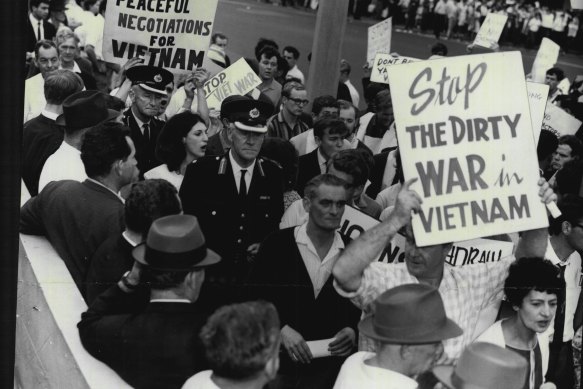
(145, 149)
(279, 275)
(76, 217)
(308, 168)
(150, 345)
(41, 137)
(30, 38)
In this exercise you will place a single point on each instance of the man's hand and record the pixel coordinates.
(545, 192)
(407, 201)
(201, 76)
(366, 71)
(190, 86)
(344, 342)
(130, 63)
(295, 345)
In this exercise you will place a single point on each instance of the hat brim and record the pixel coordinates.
(111, 114)
(448, 331)
(443, 374)
(139, 254)
(149, 88)
(245, 127)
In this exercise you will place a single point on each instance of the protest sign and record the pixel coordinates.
(559, 122)
(469, 142)
(380, 64)
(379, 39)
(546, 57)
(476, 251)
(490, 30)
(237, 79)
(537, 101)
(173, 34)
(577, 4)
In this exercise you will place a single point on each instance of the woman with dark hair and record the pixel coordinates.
(285, 155)
(532, 288)
(182, 140)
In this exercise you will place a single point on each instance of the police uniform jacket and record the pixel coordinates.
(145, 148)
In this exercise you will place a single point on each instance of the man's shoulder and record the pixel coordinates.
(269, 166)
(208, 166)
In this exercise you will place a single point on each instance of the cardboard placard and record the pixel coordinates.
(469, 144)
(173, 34)
(577, 4)
(379, 39)
(475, 251)
(382, 61)
(237, 79)
(559, 122)
(537, 101)
(546, 58)
(491, 30)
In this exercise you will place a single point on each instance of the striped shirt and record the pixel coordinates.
(278, 128)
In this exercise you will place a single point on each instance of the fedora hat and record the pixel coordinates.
(409, 314)
(485, 365)
(175, 243)
(85, 109)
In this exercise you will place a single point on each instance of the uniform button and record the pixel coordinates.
(213, 213)
(266, 215)
(241, 228)
(239, 241)
(242, 215)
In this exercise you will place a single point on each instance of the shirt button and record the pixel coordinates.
(213, 213)
(241, 228)
(266, 215)
(239, 241)
(242, 215)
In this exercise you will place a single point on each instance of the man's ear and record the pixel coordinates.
(566, 227)
(306, 203)
(272, 366)
(318, 140)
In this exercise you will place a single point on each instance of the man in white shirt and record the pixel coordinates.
(408, 325)
(344, 74)
(47, 60)
(291, 55)
(81, 111)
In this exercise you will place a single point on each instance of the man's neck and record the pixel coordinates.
(321, 239)
(74, 141)
(290, 119)
(54, 108)
(110, 182)
(561, 247)
(388, 362)
(168, 294)
(243, 164)
(68, 65)
(432, 279)
(252, 383)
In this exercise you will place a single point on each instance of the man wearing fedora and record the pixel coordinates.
(76, 217)
(81, 111)
(237, 197)
(465, 290)
(148, 88)
(154, 345)
(408, 326)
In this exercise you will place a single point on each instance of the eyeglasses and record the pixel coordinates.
(299, 101)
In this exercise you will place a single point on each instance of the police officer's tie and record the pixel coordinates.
(242, 186)
(146, 128)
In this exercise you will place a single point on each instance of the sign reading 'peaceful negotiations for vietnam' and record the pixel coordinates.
(173, 34)
(470, 144)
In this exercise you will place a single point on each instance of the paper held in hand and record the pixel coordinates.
(491, 30)
(470, 144)
(546, 58)
(237, 79)
(379, 39)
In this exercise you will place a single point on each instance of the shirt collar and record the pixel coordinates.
(237, 169)
(303, 238)
(132, 242)
(552, 256)
(76, 68)
(109, 189)
(34, 20)
(140, 123)
(49, 115)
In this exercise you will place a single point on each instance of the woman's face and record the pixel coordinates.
(537, 310)
(196, 140)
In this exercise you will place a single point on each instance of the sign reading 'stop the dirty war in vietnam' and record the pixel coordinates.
(469, 142)
(173, 34)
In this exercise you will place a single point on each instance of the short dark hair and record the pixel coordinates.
(36, 3)
(268, 52)
(547, 144)
(293, 51)
(568, 179)
(60, 84)
(102, 146)
(372, 90)
(571, 207)
(262, 43)
(574, 143)
(439, 49)
(383, 99)
(240, 339)
(527, 274)
(321, 102)
(149, 200)
(352, 163)
(45, 44)
(283, 153)
(169, 148)
(323, 179)
(555, 71)
(334, 126)
(218, 35)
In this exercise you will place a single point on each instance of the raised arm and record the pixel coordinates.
(365, 249)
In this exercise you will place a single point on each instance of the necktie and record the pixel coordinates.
(38, 31)
(243, 185)
(146, 128)
(561, 306)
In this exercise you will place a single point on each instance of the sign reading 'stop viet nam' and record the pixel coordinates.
(469, 144)
(173, 34)
(491, 30)
(382, 61)
(379, 39)
(237, 79)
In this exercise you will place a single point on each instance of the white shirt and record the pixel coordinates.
(35, 22)
(162, 172)
(34, 97)
(64, 164)
(353, 93)
(140, 123)
(176, 102)
(295, 72)
(573, 281)
(237, 172)
(50, 115)
(201, 380)
(294, 215)
(356, 374)
(76, 68)
(319, 269)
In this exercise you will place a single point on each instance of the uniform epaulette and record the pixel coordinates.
(222, 165)
(260, 167)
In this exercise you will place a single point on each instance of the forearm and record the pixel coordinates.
(124, 90)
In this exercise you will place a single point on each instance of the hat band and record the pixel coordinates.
(410, 332)
(184, 260)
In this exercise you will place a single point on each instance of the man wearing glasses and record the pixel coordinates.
(288, 123)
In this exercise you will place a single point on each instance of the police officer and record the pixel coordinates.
(238, 198)
(147, 90)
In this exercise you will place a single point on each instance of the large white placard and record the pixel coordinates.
(476, 251)
(491, 30)
(237, 79)
(559, 122)
(382, 61)
(379, 39)
(469, 144)
(546, 58)
(173, 34)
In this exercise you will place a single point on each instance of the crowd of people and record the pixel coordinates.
(206, 243)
